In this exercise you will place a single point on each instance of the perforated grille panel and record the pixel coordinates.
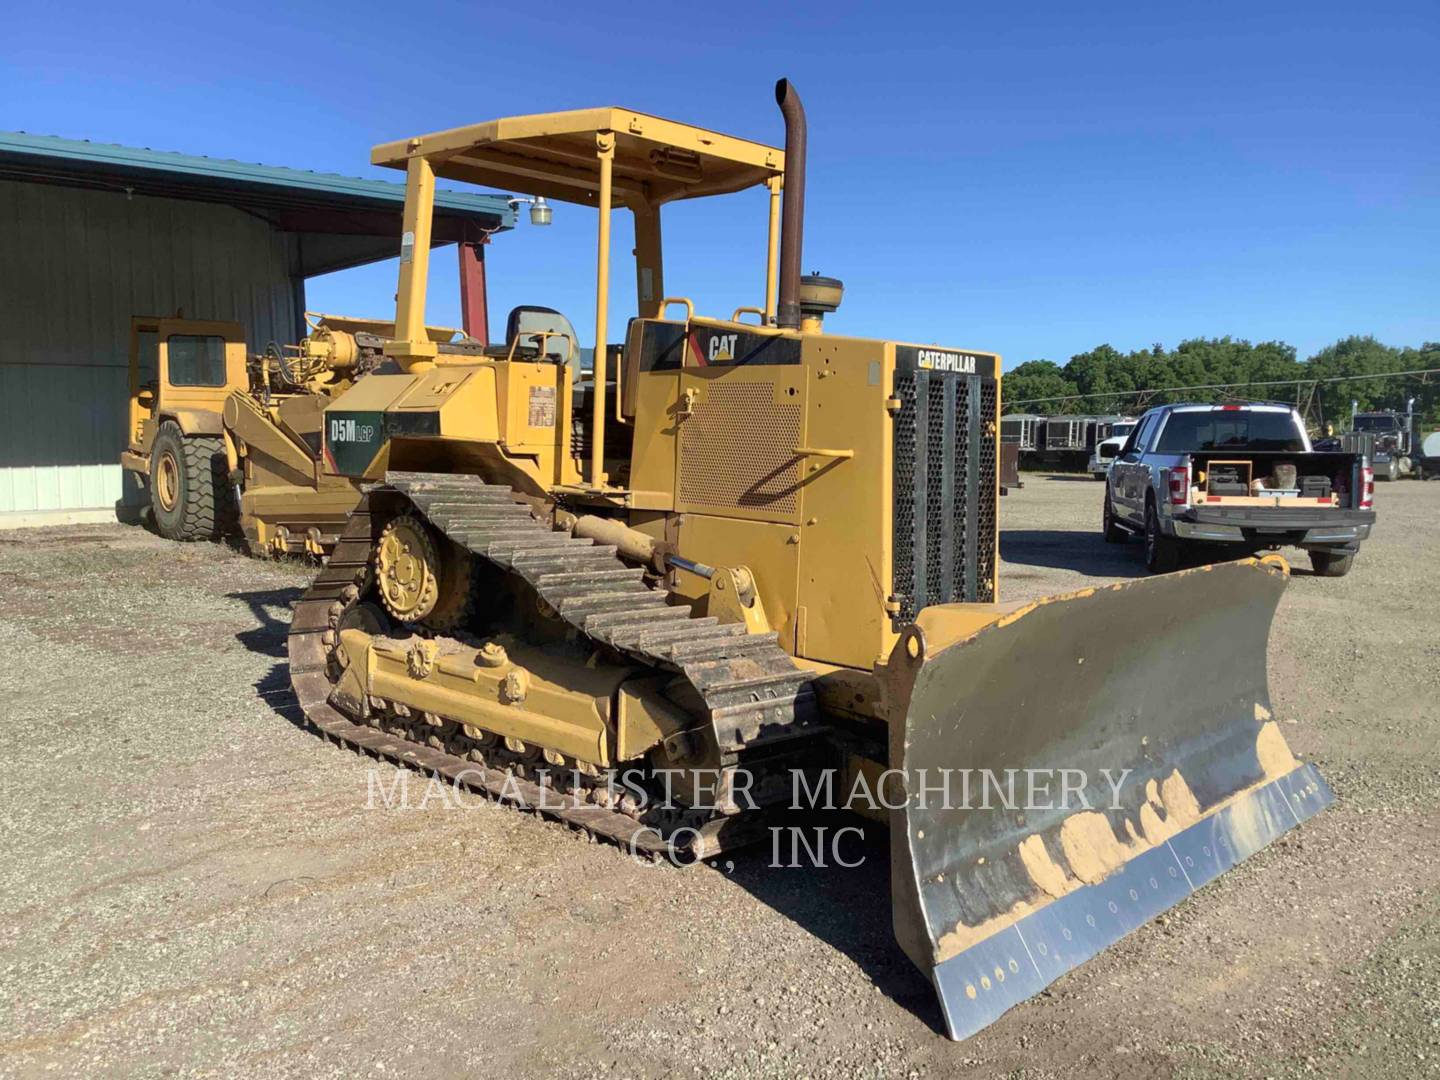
(903, 540)
(944, 490)
(737, 449)
(944, 513)
(986, 525)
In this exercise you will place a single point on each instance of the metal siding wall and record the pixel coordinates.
(75, 265)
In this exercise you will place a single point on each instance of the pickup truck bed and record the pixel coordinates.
(1234, 495)
(1261, 518)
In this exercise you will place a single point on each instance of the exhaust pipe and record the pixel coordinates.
(792, 214)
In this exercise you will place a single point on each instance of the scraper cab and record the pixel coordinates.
(750, 547)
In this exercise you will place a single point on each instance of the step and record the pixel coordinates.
(479, 537)
(576, 608)
(568, 560)
(513, 544)
(459, 481)
(717, 646)
(561, 580)
(691, 629)
(507, 512)
(759, 690)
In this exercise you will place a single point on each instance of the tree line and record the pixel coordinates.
(1105, 380)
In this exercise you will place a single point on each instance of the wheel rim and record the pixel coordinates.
(407, 569)
(167, 481)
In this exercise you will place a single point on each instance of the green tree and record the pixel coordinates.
(1357, 355)
(1039, 383)
(1105, 380)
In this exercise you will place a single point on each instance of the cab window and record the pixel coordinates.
(1229, 429)
(147, 356)
(1376, 423)
(1138, 435)
(196, 360)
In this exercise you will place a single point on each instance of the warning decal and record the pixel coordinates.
(542, 406)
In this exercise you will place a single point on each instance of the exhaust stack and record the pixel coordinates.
(792, 214)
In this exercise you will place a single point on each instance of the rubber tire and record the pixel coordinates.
(1162, 553)
(1114, 533)
(1331, 563)
(1098, 475)
(204, 510)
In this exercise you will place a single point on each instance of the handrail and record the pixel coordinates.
(620, 390)
(669, 300)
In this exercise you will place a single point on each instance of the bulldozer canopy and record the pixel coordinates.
(554, 155)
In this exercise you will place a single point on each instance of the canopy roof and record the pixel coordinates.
(554, 155)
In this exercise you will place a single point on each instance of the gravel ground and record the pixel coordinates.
(192, 884)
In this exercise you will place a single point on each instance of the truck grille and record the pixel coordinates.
(944, 491)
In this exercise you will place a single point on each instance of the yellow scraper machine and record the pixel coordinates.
(743, 549)
(224, 440)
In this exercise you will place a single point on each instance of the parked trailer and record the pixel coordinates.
(1058, 441)
(1069, 433)
(1023, 429)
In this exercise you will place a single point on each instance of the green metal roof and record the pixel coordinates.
(41, 157)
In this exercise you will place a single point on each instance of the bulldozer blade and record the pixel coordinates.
(1076, 766)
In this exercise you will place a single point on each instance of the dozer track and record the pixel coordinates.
(750, 691)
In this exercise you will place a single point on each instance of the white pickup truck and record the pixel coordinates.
(1239, 475)
(1108, 449)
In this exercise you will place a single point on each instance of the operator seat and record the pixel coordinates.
(531, 329)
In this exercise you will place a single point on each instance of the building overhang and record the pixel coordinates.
(340, 221)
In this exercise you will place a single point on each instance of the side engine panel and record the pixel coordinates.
(856, 478)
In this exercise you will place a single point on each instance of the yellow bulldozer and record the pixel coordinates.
(224, 441)
(743, 557)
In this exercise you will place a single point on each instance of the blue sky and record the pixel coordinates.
(1034, 179)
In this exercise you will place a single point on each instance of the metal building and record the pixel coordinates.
(93, 234)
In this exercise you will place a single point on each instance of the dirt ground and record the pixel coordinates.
(192, 884)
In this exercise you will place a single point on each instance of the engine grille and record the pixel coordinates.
(944, 490)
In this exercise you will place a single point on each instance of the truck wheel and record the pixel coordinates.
(189, 485)
(1331, 563)
(1114, 534)
(1162, 553)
